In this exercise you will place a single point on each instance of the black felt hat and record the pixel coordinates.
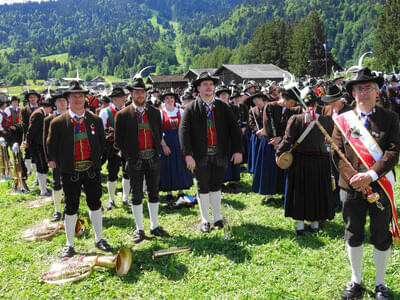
(75, 87)
(221, 89)
(205, 76)
(333, 93)
(364, 75)
(290, 94)
(137, 84)
(117, 92)
(169, 92)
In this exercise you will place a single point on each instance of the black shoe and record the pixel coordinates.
(159, 231)
(299, 232)
(314, 230)
(68, 251)
(126, 202)
(110, 205)
(205, 227)
(47, 194)
(169, 198)
(219, 224)
(56, 217)
(381, 292)
(353, 291)
(103, 245)
(138, 236)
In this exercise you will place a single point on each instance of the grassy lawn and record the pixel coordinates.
(60, 58)
(263, 260)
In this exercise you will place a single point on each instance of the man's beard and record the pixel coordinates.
(139, 101)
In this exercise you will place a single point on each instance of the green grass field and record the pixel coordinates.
(263, 260)
(60, 58)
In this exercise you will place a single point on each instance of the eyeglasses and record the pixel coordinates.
(367, 89)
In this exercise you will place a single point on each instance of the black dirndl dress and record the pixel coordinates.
(308, 193)
(264, 169)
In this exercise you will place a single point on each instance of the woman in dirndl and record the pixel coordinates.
(264, 163)
(308, 193)
(174, 174)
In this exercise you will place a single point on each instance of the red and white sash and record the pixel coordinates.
(369, 152)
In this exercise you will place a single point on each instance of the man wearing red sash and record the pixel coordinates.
(114, 160)
(369, 137)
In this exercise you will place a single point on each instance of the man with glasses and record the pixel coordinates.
(360, 133)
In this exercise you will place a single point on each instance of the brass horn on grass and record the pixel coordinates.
(74, 269)
(45, 230)
(4, 161)
(19, 183)
(171, 250)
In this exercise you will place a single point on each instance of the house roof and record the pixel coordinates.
(253, 71)
(165, 78)
(197, 72)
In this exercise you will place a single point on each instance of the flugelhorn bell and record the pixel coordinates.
(75, 269)
(45, 230)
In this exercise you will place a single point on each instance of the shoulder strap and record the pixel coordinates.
(305, 133)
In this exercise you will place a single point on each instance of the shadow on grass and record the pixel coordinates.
(205, 244)
(235, 204)
(119, 221)
(259, 234)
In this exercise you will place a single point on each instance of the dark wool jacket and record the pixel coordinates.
(193, 130)
(126, 131)
(60, 141)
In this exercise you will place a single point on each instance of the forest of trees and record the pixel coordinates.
(119, 37)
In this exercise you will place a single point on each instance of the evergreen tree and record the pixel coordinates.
(387, 38)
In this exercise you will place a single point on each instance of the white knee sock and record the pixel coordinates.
(42, 183)
(314, 225)
(215, 200)
(96, 217)
(33, 165)
(137, 211)
(204, 204)
(300, 225)
(355, 256)
(126, 188)
(69, 224)
(28, 165)
(57, 199)
(381, 261)
(111, 185)
(153, 212)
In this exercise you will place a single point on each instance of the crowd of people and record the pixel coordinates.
(313, 146)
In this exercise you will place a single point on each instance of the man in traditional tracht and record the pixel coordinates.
(34, 141)
(138, 134)
(206, 128)
(369, 137)
(13, 113)
(32, 98)
(75, 145)
(114, 160)
(59, 101)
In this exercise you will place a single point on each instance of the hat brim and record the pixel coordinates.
(222, 91)
(258, 95)
(130, 88)
(175, 95)
(200, 80)
(333, 98)
(378, 80)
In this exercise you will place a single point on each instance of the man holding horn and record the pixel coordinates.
(369, 137)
